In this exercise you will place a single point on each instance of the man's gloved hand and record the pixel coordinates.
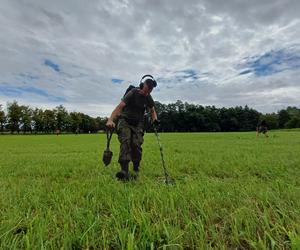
(110, 124)
(156, 123)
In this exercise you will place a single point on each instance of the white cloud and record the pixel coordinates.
(95, 41)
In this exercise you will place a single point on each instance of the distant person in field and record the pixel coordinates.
(262, 128)
(130, 125)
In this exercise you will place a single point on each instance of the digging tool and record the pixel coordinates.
(107, 154)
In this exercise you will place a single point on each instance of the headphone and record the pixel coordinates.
(145, 78)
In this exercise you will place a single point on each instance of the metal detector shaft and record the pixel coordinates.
(162, 156)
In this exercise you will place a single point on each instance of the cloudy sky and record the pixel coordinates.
(84, 54)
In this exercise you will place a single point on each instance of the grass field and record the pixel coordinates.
(232, 190)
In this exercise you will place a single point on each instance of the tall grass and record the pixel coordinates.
(233, 191)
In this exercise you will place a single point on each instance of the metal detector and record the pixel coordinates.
(168, 179)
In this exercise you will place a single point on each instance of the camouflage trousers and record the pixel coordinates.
(131, 139)
(262, 129)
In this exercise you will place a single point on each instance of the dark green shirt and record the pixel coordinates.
(136, 104)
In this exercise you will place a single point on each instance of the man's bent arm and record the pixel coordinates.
(153, 114)
(117, 111)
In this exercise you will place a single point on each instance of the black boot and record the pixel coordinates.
(134, 175)
(136, 166)
(123, 174)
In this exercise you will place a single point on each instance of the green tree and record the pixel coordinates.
(49, 121)
(248, 119)
(283, 118)
(75, 121)
(101, 123)
(293, 111)
(2, 119)
(294, 114)
(37, 120)
(26, 119)
(14, 116)
(61, 118)
(293, 123)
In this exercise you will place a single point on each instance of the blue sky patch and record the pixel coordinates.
(28, 76)
(59, 99)
(29, 89)
(19, 91)
(272, 62)
(183, 76)
(52, 65)
(245, 72)
(190, 73)
(117, 81)
(9, 91)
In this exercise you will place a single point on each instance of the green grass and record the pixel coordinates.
(233, 191)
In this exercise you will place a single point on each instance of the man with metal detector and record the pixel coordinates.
(262, 128)
(130, 125)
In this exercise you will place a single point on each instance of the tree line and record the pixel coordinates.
(21, 118)
(186, 117)
(174, 117)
